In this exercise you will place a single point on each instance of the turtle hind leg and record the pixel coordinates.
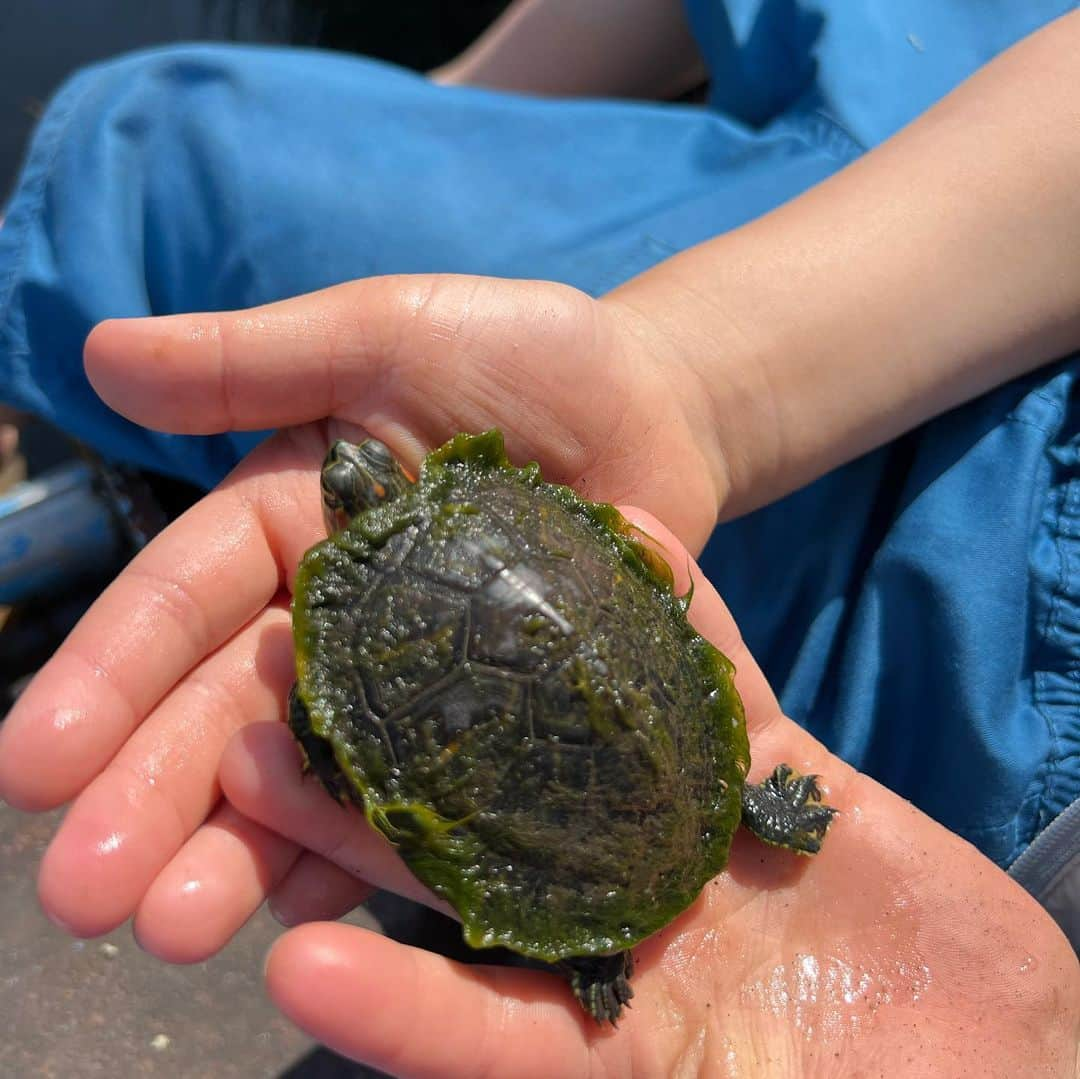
(787, 811)
(601, 983)
(318, 756)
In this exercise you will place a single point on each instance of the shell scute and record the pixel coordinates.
(403, 637)
(464, 545)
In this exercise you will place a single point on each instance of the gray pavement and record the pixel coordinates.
(104, 1008)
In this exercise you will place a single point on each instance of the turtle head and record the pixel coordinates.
(356, 477)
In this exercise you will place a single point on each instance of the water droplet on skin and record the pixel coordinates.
(111, 843)
(65, 718)
(827, 997)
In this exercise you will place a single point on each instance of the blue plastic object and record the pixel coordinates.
(56, 530)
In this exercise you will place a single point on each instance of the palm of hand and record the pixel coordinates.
(190, 643)
(898, 950)
(859, 963)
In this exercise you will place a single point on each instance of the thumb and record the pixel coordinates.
(574, 384)
(429, 350)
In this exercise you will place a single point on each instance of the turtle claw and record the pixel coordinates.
(601, 984)
(786, 810)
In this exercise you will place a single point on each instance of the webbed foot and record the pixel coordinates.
(787, 811)
(601, 984)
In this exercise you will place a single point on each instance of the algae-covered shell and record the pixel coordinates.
(501, 675)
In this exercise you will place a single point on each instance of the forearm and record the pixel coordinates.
(611, 48)
(941, 264)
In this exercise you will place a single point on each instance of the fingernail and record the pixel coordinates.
(279, 915)
(268, 957)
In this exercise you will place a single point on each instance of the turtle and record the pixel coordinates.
(501, 675)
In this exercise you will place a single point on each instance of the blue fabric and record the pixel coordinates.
(917, 609)
(870, 66)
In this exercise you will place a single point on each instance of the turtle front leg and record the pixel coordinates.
(787, 811)
(601, 983)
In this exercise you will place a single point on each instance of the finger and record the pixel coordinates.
(217, 881)
(414, 1014)
(195, 585)
(386, 347)
(416, 359)
(261, 775)
(128, 824)
(315, 890)
(711, 618)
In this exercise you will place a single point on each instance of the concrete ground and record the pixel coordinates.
(104, 1008)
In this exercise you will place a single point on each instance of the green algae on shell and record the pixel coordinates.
(500, 674)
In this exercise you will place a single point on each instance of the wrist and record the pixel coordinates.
(937, 266)
(718, 370)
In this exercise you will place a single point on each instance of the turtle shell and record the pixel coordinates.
(511, 691)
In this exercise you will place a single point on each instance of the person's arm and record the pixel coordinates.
(941, 264)
(610, 48)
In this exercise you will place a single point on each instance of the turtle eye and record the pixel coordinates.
(377, 453)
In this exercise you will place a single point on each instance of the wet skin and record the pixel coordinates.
(899, 948)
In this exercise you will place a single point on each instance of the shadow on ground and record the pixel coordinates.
(102, 1007)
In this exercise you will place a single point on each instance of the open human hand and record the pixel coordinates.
(898, 950)
(129, 718)
(192, 643)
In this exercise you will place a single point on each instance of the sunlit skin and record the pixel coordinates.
(898, 943)
(719, 380)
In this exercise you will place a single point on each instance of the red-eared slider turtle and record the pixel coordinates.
(502, 677)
